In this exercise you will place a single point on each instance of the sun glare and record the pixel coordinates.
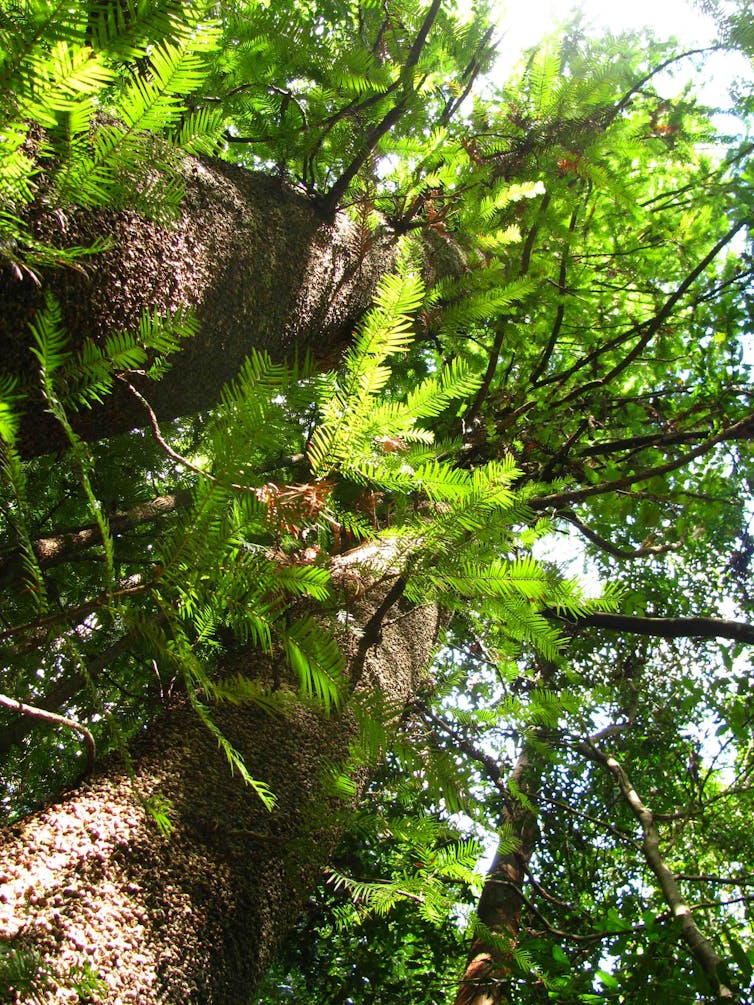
(524, 24)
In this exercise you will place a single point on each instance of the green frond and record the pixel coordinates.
(427, 877)
(50, 338)
(519, 620)
(544, 76)
(10, 398)
(358, 73)
(439, 481)
(240, 690)
(518, 794)
(257, 380)
(454, 382)
(88, 377)
(14, 477)
(57, 81)
(304, 580)
(150, 104)
(316, 660)
(387, 328)
(507, 840)
(500, 578)
(354, 525)
(378, 898)
(457, 861)
(337, 784)
(52, 354)
(159, 808)
(236, 762)
(568, 599)
(504, 194)
(200, 131)
(123, 30)
(483, 306)
(371, 712)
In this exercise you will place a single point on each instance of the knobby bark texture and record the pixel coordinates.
(250, 255)
(196, 918)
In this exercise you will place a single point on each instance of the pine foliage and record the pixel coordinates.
(93, 121)
(581, 377)
(234, 560)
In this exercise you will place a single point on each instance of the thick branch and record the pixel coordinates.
(631, 443)
(130, 587)
(546, 355)
(669, 628)
(391, 117)
(497, 345)
(489, 966)
(57, 548)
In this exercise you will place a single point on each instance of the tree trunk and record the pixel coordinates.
(248, 254)
(486, 978)
(89, 882)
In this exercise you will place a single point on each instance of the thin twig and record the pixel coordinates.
(157, 433)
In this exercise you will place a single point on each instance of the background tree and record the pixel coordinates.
(259, 571)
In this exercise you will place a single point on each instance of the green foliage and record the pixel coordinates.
(21, 973)
(582, 387)
(23, 977)
(217, 569)
(93, 121)
(424, 883)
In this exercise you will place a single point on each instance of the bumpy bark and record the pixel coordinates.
(250, 255)
(196, 918)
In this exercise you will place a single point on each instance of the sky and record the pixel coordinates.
(525, 21)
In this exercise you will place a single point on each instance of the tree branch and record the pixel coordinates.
(721, 880)
(699, 945)
(641, 552)
(130, 587)
(577, 495)
(469, 75)
(544, 359)
(649, 328)
(33, 712)
(667, 628)
(497, 345)
(58, 548)
(329, 203)
(631, 443)
(57, 696)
